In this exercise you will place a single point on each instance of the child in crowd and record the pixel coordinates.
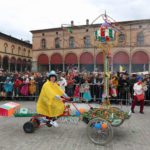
(86, 94)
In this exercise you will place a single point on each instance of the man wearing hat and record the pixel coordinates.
(49, 102)
(139, 91)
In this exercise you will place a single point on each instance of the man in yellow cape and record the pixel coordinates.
(49, 102)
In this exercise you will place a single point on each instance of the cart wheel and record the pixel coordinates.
(98, 133)
(120, 117)
(28, 127)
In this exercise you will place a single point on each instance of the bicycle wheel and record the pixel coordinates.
(97, 133)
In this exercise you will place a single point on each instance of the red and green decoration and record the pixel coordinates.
(105, 33)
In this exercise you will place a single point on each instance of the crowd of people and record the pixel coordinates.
(84, 86)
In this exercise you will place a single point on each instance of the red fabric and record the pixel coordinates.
(140, 58)
(86, 58)
(56, 59)
(102, 32)
(17, 83)
(43, 59)
(121, 58)
(100, 58)
(71, 59)
(134, 103)
(139, 83)
(76, 91)
(140, 97)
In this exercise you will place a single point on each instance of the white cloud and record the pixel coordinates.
(18, 17)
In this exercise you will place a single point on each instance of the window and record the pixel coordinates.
(140, 39)
(121, 38)
(71, 42)
(5, 47)
(43, 43)
(57, 43)
(19, 49)
(87, 41)
(12, 49)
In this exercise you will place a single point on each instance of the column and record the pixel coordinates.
(111, 64)
(130, 66)
(78, 65)
(94, 60)
(15, 66)
(1, 63)
(49, 66)
(149, 66)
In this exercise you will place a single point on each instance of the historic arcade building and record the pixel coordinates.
(58, 48)
(15, 54)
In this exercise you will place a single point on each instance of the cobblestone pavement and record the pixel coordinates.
(134, 134)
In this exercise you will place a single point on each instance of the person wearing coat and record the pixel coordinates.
(139, 93)
(114, 86)
(17, 87)
(86, 95)
(25, 87)
(76, 96)
(49, 102)
(62, 83)
(32, 87)
(8, 87)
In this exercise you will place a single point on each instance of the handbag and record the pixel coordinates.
(140, 97)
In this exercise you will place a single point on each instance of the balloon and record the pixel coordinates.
(82, 110)
(104, 125)
(97, 126)
(77, 113)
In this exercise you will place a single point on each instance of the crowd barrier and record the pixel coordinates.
(95, 93)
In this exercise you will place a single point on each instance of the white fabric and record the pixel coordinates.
(54, 123)
(57, 97)
(138, 89)
(62, 83)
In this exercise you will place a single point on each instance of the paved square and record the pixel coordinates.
(134, 134)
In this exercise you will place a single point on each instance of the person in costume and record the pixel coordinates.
(62, 83)
(50, 103)
(86, 95)
(76, 94)
(114, 86)
(139, 92)
(8, 87)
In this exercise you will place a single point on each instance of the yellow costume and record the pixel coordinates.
(32, 87)
(47, 104)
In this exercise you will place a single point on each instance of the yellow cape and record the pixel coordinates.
(47, 104)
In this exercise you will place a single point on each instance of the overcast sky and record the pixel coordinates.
(19, 17)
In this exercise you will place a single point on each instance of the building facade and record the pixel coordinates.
(58, 48)
(15, 54)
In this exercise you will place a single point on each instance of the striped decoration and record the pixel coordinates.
(104, 34)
